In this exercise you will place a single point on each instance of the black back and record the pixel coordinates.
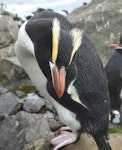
(91, 82)
(114, 74)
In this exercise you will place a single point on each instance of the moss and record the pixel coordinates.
(115, 130)
(3, 80)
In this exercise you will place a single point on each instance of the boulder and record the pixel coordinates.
(3, 90)
(86, 142)
(39, 144)
(8, 51)
(8, 30)
(11, 69)
(8, 102)
(33, 104)
(23, 128)
(101, 21)
(116, 141)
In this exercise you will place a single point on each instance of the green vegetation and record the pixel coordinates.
(3, 80)
(115, 130)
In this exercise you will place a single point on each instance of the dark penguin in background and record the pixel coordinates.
(64, 66)
(114, 74)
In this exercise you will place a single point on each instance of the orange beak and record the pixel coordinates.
(58, 77)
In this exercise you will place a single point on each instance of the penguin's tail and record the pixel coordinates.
(103, 143)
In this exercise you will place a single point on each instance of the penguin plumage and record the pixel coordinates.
(64, 66)
(113, 70)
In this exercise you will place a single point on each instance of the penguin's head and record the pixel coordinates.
(59, 55)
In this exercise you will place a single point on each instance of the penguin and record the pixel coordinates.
(113, 70)
(63, 64)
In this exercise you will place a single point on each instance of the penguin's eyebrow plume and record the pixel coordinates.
(76, 35)
(55, 38)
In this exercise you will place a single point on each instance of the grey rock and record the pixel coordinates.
(19, 93)
(101, 21)
(50, 107)
(49, 115)
(10, 136)
(2, 118)
(8, 30)
(8, 102)
(11, 71)
(85, 142)
(35, 125)
(3, 90)
(17, 108)
(54, 124)
(21, 129)
(40, 144)
(33, 103)
(8, 51)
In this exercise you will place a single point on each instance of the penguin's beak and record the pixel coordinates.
(58, 79)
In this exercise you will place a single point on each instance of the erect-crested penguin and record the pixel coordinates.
(113, 70)
(64, 66)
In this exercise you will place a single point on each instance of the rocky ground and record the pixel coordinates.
(30, 123)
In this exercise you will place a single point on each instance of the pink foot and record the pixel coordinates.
(65, 138)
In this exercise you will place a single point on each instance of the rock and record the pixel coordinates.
(11, 71)
(3, 90)
(33, 103)
(86, 143)
(32, 131)
(8, 30)
(39, 144)
(8, 51)
(111, 125)
(53, 124)
(101, 21)
(49, 115)
(36, 125)
(8, 102)
(2, 118)
(116, 141)
(19, 93)
(13, 60)
(20, 129)
(10, 136)
(50, 107)
(17, 108)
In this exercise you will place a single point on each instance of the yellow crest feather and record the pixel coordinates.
(76, 35)
(55, 38)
